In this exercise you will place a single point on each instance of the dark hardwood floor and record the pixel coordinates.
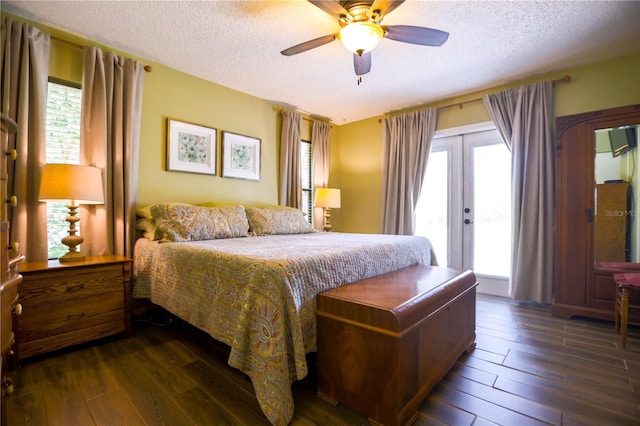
(527, 368)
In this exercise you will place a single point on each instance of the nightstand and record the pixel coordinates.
(70, 303)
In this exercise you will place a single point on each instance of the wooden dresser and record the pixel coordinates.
(71, 303)
(9, 305)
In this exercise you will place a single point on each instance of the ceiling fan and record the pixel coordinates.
(362, 30)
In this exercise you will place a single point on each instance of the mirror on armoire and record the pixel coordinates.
(617, 195)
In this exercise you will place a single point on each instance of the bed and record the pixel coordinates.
(249, 277)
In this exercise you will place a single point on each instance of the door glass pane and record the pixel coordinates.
(432, 211)
(492, 210)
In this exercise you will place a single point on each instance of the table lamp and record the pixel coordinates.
(75, 184)
(327, 198)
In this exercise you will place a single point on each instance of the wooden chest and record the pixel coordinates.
(385, 342)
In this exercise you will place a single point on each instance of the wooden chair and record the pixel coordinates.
(626, 279)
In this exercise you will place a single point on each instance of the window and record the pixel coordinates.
(64, 104)
(307, 179)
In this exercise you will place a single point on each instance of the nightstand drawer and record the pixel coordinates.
(43, 321)
(61, 341)
(46, 287)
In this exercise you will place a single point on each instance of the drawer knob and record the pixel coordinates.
(13, 154)
(15, 246)
(74, 288)
(17, 309)
(8, 386)
(13, 201)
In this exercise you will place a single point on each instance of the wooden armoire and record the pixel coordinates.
(581, 286)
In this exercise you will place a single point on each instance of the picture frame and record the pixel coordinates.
(240, 156)
(191, 147)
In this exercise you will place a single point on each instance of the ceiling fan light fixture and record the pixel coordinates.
(361, 37)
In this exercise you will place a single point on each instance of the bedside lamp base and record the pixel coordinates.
(72, 257)
(327, 220)
(72, 240)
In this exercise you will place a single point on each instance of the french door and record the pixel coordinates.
(465, 206)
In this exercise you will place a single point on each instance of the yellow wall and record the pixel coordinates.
(359, 161)
(65, 62)
(170, 93)
(359, 145)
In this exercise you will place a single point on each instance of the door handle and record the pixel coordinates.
(589, 215)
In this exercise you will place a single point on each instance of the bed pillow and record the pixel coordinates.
(144, 212)
(218, 204)
(147, 224)
(180, 222)
(277, 220)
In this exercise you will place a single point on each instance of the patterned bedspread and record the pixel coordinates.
(257, 294)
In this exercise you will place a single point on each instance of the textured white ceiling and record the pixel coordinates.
(237, 44)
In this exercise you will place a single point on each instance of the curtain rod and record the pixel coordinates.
(147, 68)
(305, 118)
(311, 121)
(565, 79)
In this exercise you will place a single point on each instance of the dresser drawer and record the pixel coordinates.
(8, 299)
(46, 287)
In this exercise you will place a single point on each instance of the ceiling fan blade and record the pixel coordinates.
(332, 7)
(308, 45)
(415, 35)
(384, 6)
(362, 64)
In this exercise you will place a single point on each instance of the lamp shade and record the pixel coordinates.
(361, 37)
(327, 197)
(73, 183)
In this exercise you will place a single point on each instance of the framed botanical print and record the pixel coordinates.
(191, 147)
(240, 156)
